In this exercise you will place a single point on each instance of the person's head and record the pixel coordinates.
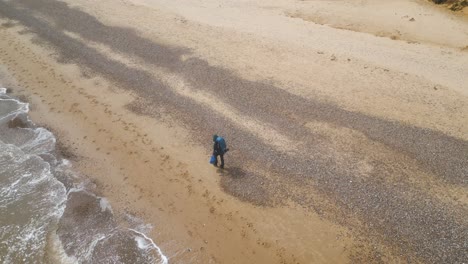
(215, 137)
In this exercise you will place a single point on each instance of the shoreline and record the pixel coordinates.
(95, 155)
(66, 208)
(141, 152)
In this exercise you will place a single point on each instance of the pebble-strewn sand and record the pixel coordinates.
(347, 145)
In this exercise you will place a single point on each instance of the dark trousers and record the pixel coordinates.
(222, 160)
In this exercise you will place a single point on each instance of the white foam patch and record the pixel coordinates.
(56, 251)
(74, 190)
(144, 242)
(105, 205)
(92, 246)
(66, 163)
(42, 142)
(22, 108)
(3, 90)
(31, 194)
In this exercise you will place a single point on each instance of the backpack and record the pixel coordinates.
(222, 143)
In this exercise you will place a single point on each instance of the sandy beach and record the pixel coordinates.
(347, 121)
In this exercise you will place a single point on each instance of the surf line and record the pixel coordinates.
(164, 259)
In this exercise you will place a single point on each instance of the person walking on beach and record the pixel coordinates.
(219, 149)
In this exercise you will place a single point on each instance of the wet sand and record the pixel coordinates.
(345, 146)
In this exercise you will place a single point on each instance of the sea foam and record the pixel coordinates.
(46, 211)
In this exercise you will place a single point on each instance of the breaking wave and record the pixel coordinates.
(47, 215)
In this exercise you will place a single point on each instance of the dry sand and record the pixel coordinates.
(346, 146)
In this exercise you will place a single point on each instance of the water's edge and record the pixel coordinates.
(48, 213)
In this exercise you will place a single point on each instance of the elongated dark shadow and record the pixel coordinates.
(443, 155)
(400, 215)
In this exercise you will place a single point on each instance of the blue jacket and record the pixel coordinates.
(219, 147)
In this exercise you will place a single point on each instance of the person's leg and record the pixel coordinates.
(216, 161)
(222, 161)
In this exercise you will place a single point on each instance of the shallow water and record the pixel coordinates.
(47, 215)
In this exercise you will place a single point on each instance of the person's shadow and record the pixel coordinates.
(232, 172)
